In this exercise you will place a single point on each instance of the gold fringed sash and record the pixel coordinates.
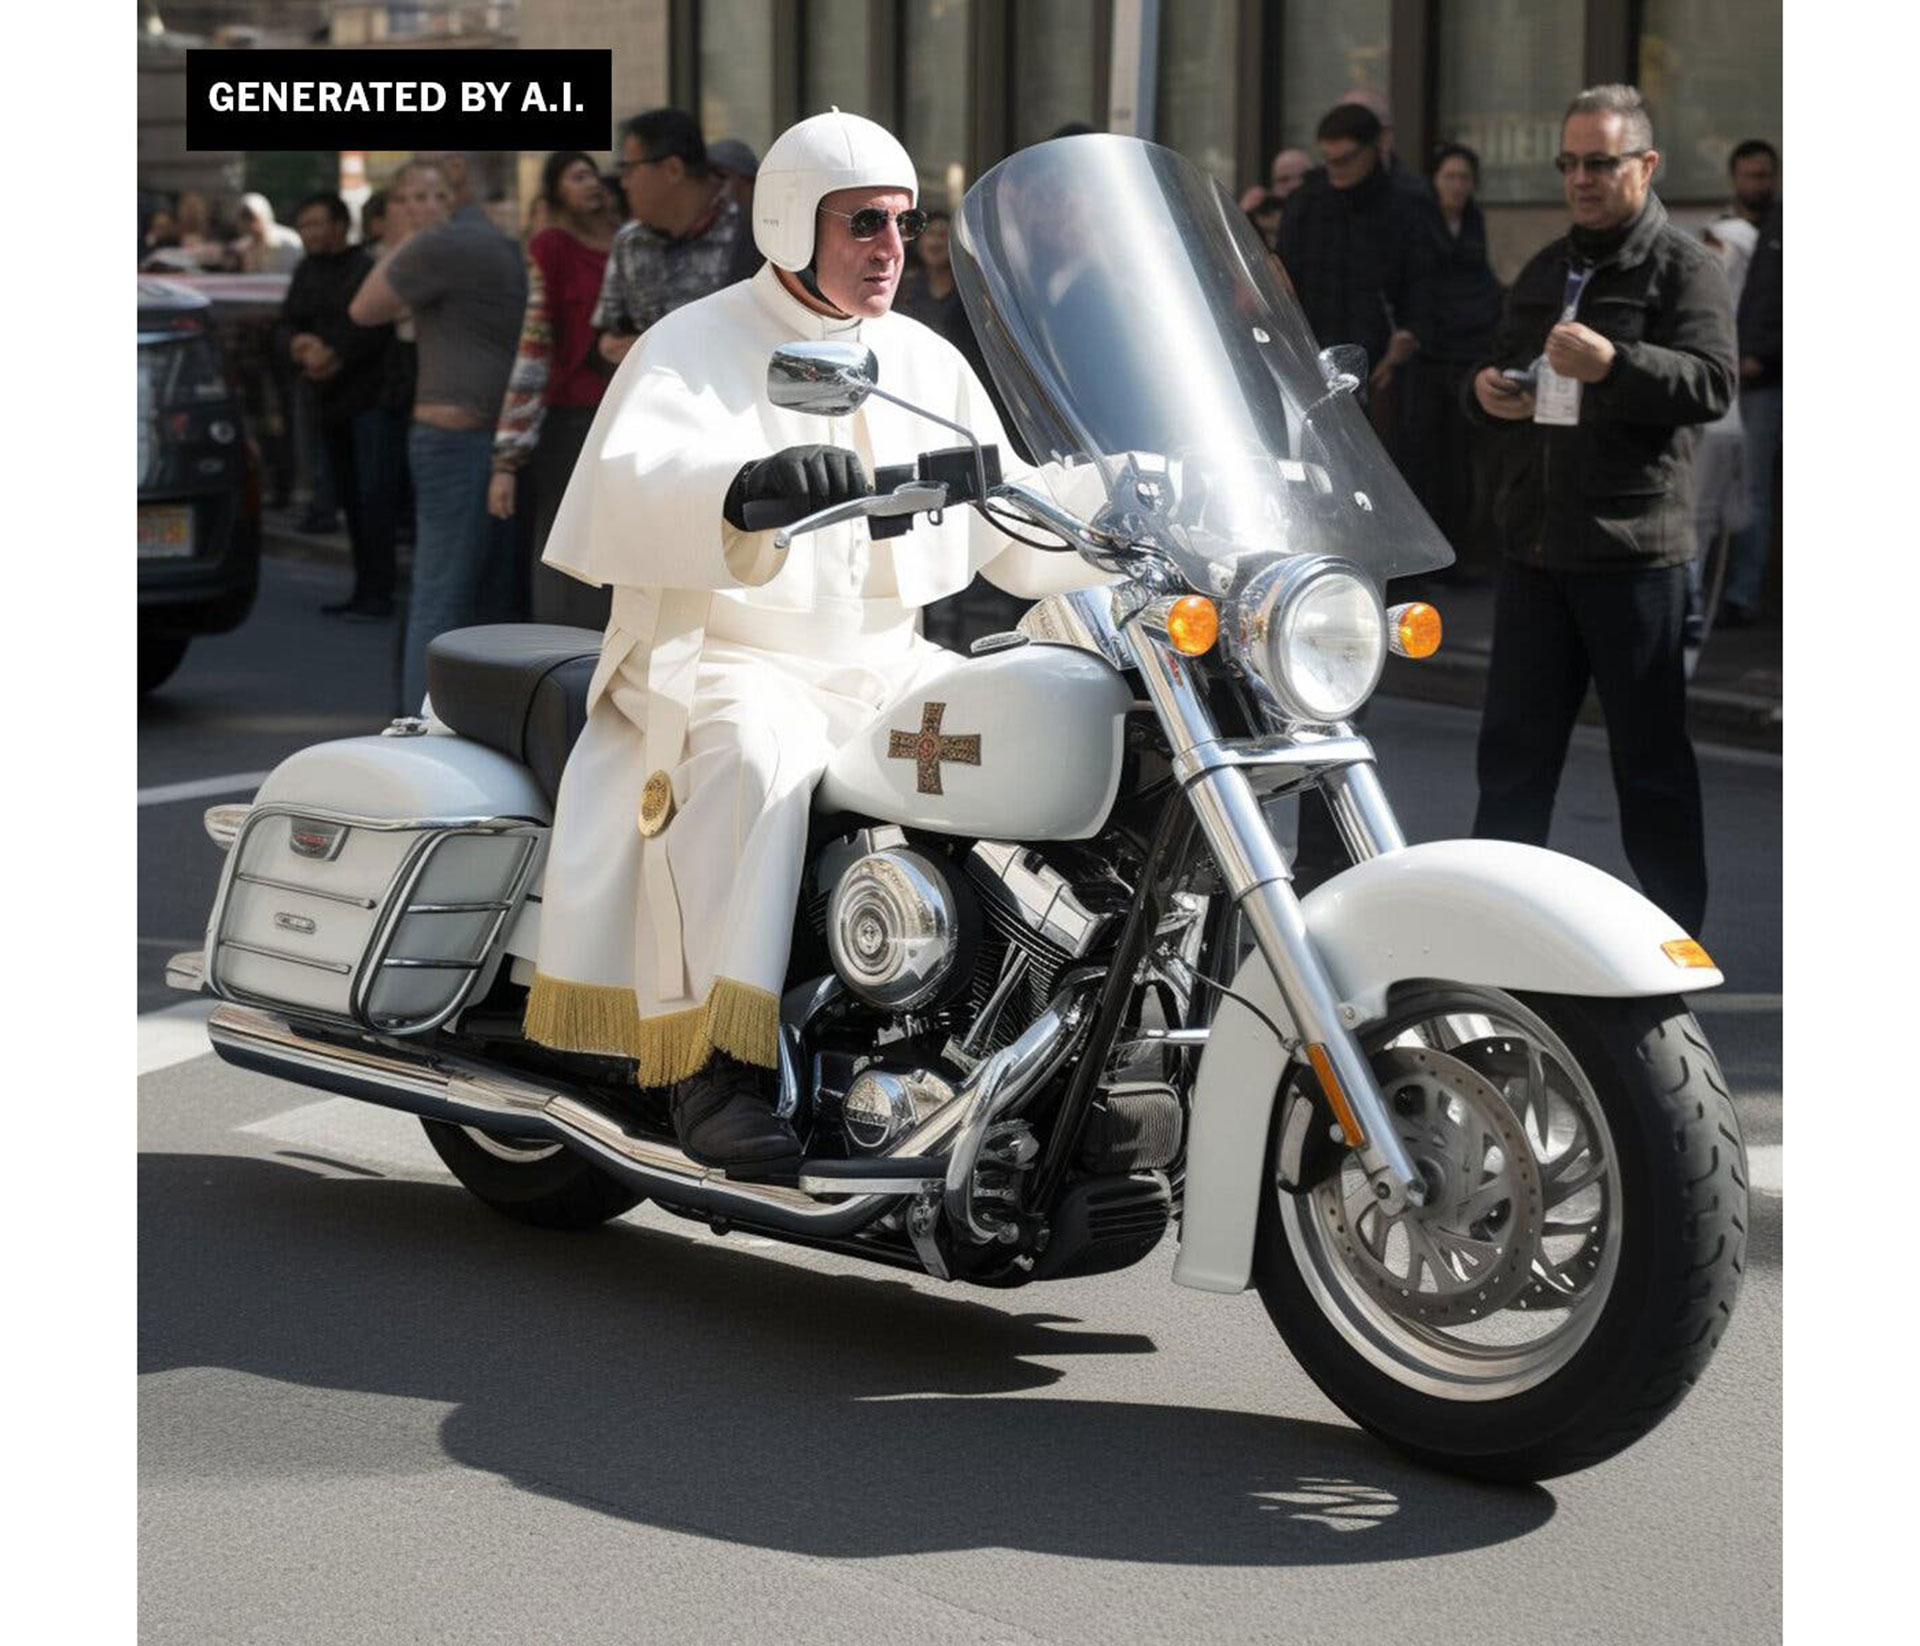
(583, 1017)
(735, 1018)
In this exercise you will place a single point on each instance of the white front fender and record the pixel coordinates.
(1482, 912)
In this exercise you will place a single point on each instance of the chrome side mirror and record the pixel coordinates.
(826, 379)
(1343, 368)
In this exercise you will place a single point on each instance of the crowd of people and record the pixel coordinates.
(1584, 439)
(1397, 262)
(444, 379)
(436, 379)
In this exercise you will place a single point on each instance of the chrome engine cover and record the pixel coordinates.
(883, 1104)
(893, 928)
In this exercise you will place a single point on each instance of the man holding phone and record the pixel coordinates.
(1617, 339)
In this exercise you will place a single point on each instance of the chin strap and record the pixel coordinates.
(811, 281)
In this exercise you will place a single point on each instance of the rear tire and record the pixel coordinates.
(1646, 1207)
(160, 655)
(543, 1184)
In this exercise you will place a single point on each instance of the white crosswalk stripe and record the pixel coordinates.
(364, 1134)
(177, 1034)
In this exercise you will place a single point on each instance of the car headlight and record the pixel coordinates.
(1314, 631)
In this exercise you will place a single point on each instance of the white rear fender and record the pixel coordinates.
(1482, 912)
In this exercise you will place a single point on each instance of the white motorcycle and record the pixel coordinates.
(1052, 990)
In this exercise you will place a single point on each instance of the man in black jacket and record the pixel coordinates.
(1355, 247)
(347, 364)
(1631, 324)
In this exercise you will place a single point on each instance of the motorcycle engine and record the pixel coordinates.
(961, 952)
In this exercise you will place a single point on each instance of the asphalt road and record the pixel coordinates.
(371, 1411)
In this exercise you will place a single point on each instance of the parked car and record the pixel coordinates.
(199, 498)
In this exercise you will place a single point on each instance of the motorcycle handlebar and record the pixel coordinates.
(772, 512)
(952, 467)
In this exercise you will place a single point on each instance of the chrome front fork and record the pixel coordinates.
(1215, 779)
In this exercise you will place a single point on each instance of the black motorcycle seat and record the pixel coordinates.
(520, 688)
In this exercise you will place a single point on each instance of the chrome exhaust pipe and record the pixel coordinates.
(440, 1086)
(998, 1087)
(467, 1091)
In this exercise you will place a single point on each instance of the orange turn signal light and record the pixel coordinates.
(1686, 951)
(1193, 625)
(1336, 1095)
(1415, 630)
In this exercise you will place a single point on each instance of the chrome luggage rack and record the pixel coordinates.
(388, 913)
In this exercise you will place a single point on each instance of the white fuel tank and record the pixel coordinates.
(1022, 744)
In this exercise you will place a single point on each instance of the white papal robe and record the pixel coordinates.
(734, 669)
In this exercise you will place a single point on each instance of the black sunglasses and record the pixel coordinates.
(1601, 165)
(871, 220)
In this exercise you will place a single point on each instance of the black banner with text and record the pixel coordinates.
(399, 99)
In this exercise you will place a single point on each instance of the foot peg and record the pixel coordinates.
(878, 1174)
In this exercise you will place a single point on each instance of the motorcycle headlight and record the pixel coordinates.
(1314, 631)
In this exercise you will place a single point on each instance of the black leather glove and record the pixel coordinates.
(801, 480)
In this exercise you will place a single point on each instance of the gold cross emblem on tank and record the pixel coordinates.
(927, 748)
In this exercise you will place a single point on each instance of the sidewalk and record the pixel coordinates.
(1734, 698)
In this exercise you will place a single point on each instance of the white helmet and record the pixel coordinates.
(808, 162)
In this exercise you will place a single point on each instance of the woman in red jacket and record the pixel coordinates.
(556, 384)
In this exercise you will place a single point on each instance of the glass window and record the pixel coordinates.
(1507, 71)
(1053, 76)
(1199, 76)
(935, 58)
(1327, 47)
(834, 57)
(1711, 72)
(736, 71)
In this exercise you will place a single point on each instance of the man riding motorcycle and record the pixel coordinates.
(732, 669)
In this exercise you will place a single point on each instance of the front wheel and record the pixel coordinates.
(1580, 1251)
(528, 1180)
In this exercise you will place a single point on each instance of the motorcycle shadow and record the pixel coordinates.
(680, 1383)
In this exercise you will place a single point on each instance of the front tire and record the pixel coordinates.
(530, 1181)
(1582, 1249)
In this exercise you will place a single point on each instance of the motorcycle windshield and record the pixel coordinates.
(1143, 336)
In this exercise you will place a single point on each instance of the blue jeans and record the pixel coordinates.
(1747, 553)
(455, 580)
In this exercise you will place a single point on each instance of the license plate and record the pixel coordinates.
(166, 531)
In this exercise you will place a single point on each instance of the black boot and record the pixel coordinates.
(723, 1116)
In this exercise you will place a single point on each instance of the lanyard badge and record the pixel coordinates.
(1557, 397)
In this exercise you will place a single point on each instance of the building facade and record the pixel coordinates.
(1226, 82)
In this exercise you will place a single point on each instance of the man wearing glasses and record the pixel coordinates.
(732, 669)
(1616, 340)
(1353, 245)
(687, 237)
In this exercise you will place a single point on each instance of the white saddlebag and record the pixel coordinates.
(372, 879)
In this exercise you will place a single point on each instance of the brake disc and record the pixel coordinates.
(1503, 1060)
(1469, 1251)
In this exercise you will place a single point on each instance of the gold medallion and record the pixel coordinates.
(656, 804)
